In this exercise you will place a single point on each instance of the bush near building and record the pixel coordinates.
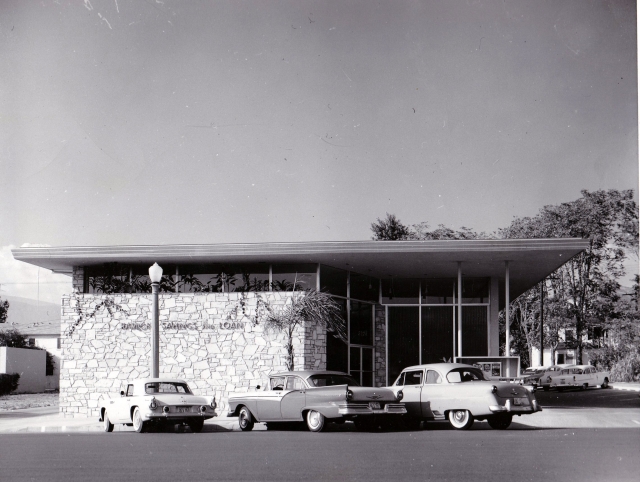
(8, 383)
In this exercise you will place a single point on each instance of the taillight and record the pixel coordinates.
(494, 389)
(213, 403)
(165, 409)
(349, 395)
(203, 408)
(153, 405)
(400, 395)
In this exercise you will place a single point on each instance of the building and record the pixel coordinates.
(405, 302)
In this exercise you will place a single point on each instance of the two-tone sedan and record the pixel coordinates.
(156, 402)
(317, 397)
(461, 394)
(580, 376)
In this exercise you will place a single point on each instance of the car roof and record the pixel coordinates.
(157, 380)
(439, 366)
(307, 373)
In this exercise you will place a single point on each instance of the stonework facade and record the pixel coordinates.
(215, 341)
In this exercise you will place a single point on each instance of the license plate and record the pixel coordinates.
(374, 405)
(561, 382)
(520, 401)
(183, 409)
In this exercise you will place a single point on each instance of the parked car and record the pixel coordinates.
(581, 376)
(316, 397)
(156, 402)
(461, 394)
(549, 372)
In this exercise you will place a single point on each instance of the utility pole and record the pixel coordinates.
(542, 323)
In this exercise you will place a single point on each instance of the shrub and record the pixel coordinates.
(623, 362)
(8, 382)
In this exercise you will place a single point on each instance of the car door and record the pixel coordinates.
(433, 393)
(118, 408)
(293, 399)
(269, 404)
(412, 391)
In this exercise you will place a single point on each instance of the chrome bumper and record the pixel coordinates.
(365, 409)
(510, 407)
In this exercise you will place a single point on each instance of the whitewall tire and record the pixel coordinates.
(315, 421)
(460, 419)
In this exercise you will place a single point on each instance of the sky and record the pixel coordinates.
(167, 122)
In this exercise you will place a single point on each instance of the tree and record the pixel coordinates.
(4, 311)
(13, 339)
(585, 290)
(313, 307)
(390, 229)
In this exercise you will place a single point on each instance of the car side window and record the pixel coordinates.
(413, 377)
(130, 390)
(433, 377)
(400, 380)
(277, 383)
(295, 383)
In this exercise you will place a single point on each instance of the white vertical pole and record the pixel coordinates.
(507, 347)
(420, 322)
(459, 309)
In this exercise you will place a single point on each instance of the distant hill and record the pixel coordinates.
(32, 318)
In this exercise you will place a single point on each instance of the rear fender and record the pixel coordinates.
(328, 411)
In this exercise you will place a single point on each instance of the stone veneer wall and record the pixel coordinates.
(208, 339)
(380, 347)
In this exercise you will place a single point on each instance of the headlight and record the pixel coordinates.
(165, 409)
(203, 408)
(349, 395)
(494, 389)
(400, 395)
(153, 405)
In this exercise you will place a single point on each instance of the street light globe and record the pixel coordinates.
(155, 273)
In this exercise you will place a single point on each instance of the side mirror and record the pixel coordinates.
(257, 387)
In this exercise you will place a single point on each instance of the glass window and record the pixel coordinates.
(403, 338)
(413, 377)
(433, 377)
(361, 323)
(333, 280)
(464, 375)
(130, 390)
(166, 387)
(437, 333)
(252, 277)
(400, 291)
(474, 330)
(475, 290)
(326, 380)
(437, 291)
(364, 287)
(285, 275)
(400, 381)
(295, 383)
(277, 383)
(337, 349)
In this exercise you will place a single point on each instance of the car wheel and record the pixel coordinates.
(584, 386)
(108, 426)
(315, 421)
(245, 420)
(138, 425)
(605, 383)
(460, 419)
(196, 425)
(500, 422)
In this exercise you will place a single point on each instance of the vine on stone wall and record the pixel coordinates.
(108, 304)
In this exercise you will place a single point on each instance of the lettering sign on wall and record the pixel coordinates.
(223, 325)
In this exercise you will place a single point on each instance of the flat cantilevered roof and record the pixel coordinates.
(530, 260)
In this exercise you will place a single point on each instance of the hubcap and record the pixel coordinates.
(314, 419)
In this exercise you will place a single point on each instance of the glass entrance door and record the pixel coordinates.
(361, 364)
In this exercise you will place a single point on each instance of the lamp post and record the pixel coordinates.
(155, 273)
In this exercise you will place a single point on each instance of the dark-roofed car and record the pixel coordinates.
(580, 376)
(461, 394)
(316, 397)
(156, 402)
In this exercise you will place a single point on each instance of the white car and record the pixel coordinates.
(549, 373)
(156, 402)
(581, 376)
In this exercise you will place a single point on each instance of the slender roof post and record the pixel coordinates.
(507, 345)
(459, 308)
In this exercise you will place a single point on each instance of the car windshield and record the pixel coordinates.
(166, 387)
(329, 380)
(458, 375)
